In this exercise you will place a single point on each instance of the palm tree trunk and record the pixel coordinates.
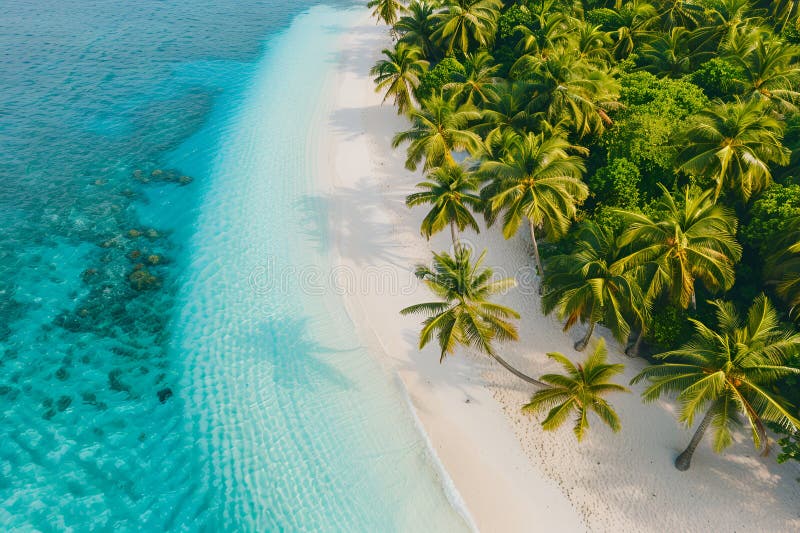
(517, 373)
(633, 351)
(536, 254)
(454, 236)
(684, 460)
(581, 344)
(694, 299)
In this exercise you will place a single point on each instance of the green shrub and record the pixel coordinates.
(617, 184)
(770, 214)
(717, 77)
(432, 81)
(669, 326)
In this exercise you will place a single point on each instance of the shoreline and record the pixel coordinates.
(511, 475)
(483, 467)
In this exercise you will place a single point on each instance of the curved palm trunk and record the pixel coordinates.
(454, 236)
(536, 253)
(584, 342)
(517, 373)
(684, 460)
(633, 351)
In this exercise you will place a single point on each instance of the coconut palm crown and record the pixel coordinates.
(688, 239)
(539, 180)
(451, 191)
(590, 284)
(399, 74)
(463, 315)
(578, 391)
(727, 372)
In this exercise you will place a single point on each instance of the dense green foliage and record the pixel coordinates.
(655, 140)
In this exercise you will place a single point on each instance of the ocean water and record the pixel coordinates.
(169, 359)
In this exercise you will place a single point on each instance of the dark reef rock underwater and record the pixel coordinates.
(164, 394)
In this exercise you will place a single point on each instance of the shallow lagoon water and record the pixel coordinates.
(278, 418)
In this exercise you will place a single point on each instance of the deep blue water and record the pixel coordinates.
(138, 388)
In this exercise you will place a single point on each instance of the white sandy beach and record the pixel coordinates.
(511, 475)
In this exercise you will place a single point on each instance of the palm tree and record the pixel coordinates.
(476, 85)
(565, 87)
(783, 267)
(386, 10)
(685, 241)
(399, 74)
(416, 27)
(463, 315)
(590, 284)
(462, 23)
(579, 391)
(591, 43)
(550, 30)
(725, 372)
(786, 12)
(631, 24)
(450, 191)
(438, 128)
(771, 70)
(538, 180)
(681, 14)
(671, 53)
(734, 144)
(727, 17)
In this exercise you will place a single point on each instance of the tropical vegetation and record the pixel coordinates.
(650, 149)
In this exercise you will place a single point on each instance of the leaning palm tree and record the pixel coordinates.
(463, 314)
(450, 190)
(687, 240)
(465, 23)
(580, 391)
(386, 10)
(538, 180)
(438, 128)
(590, 284)
(399, 74)
(726, 372)
(734, 144)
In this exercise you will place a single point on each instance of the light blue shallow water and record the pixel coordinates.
(278, 418)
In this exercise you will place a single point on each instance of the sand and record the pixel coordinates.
(511, 475)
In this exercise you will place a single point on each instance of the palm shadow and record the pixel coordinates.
(299, 362)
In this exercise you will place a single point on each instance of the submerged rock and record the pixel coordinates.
(164, 394)
(115, 383)
(134, 233)
(142, 280)
(63, 403)
(185, 180)
(154, 259)
(88, 274)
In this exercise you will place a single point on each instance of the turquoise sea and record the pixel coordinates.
(159, 369)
